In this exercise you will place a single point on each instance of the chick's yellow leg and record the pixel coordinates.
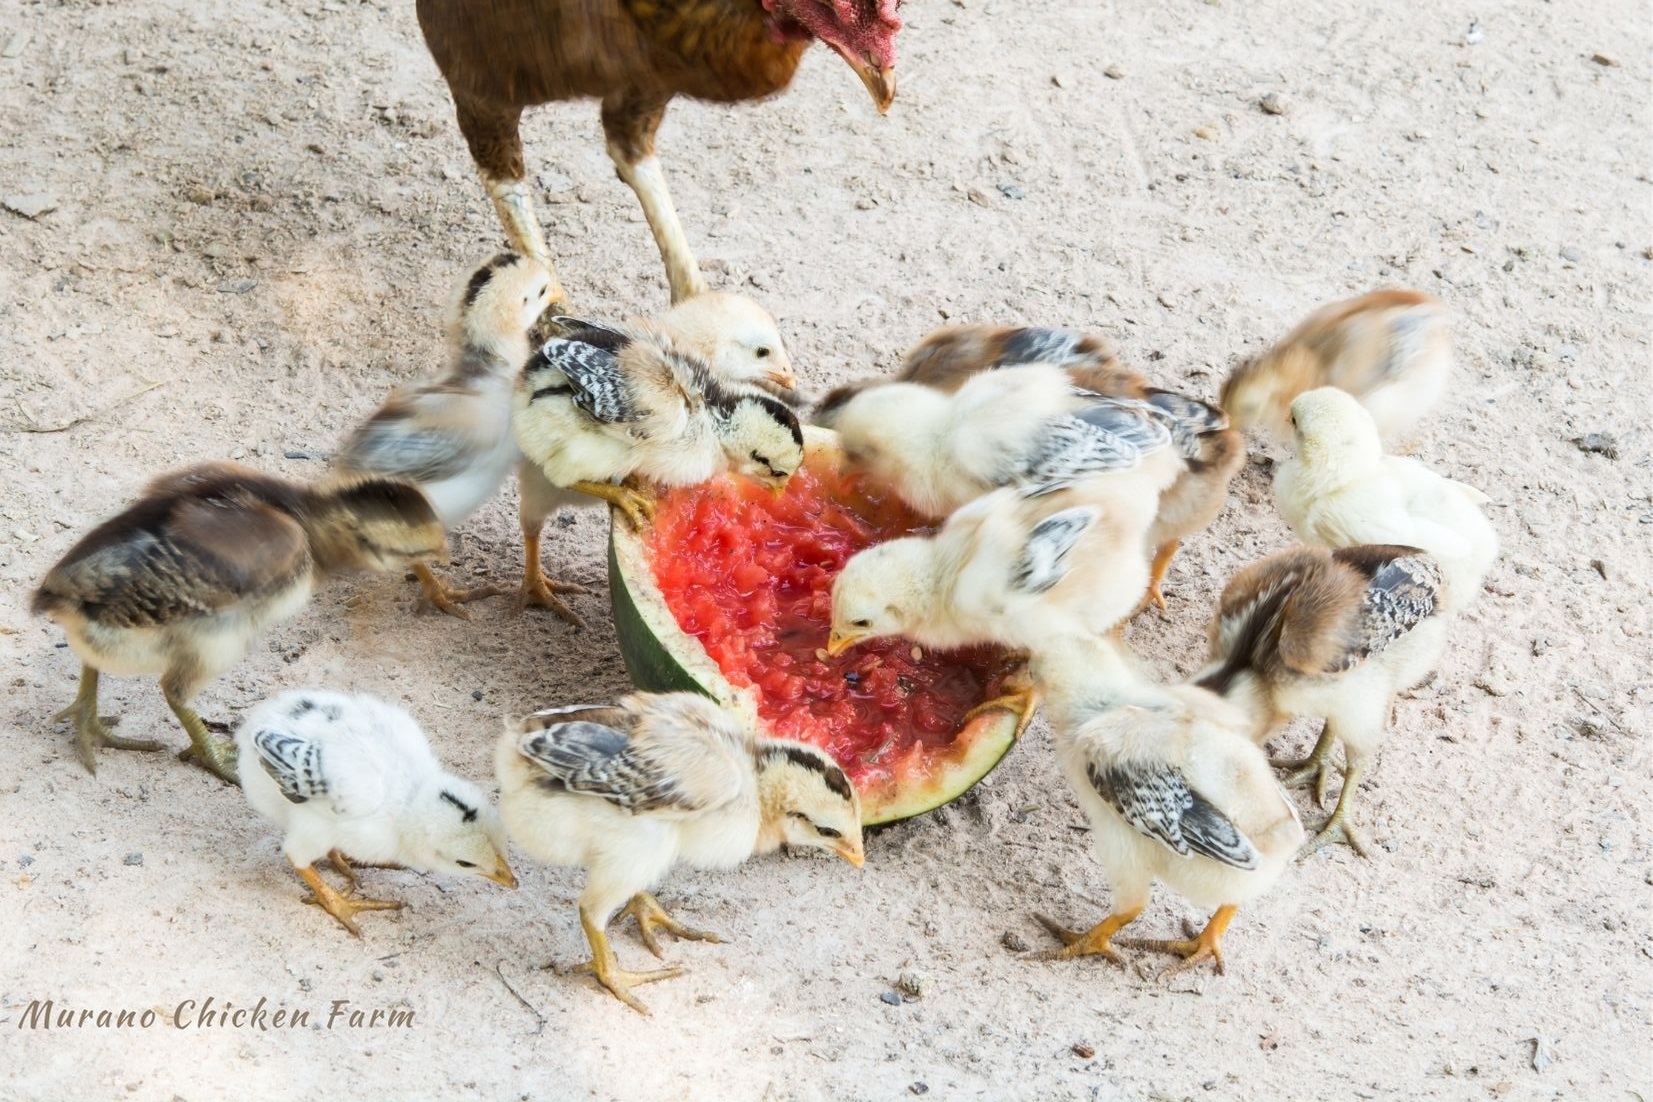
(539, 590)
(605, 967)
(1162, 563)
(650, 916)
(340, 907)
(1337, 829)
(1095, 942)
(637, 506)
(1206, 945)
(210, 753)
(1021, 699)
(91, 729)
(341, 864)
(1316, 769)
(448, 599)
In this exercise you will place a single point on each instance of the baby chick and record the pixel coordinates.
(180, 583)
(599, 406)
(1390, 349)
(1008, 568)
(631, 790)
(1211, 451)
(1020, 426)
(740, 344)
(1340, 490)
(353, 778)
(1330, 634)
(451, 436)
(1174, 788)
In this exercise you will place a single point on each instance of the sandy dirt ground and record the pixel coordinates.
(257, 213)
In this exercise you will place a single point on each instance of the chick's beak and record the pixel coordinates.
(840, 641)
(852, 852)
(781, 375)
(503, 875)
(879, 79)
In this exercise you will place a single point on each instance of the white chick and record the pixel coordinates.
(1017, 426)
(1340, 490)
(631, 790)
(600, 406)
(1009, 568)
(1175, 791)
(740, 344)
(352, 778)
(1332, 635)
(1390, 349)
(451, 436)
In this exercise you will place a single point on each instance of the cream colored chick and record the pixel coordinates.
(451, 436)
(599, 409)
(629, 791)
(1175, 791)
(1212, 452)
(1340, 490)
(349, 777)
(740, 344)
(1019, 426)
(1333, 635)
(180, 583)
(1391, 349)
(1008, 568)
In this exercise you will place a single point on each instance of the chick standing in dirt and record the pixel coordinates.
(600, 409)
(1392, 350)
(1175, 791)
(1332, 635)
(349, 777)
(1340, 490)
(180, 583)
(452, 436)
(629, 791)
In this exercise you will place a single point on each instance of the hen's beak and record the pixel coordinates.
(880, 80)
(503, 875)
(852, 852)
(840, 641)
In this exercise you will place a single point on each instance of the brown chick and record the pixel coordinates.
(180, 582)
(500, 56)
(1331, 634)
(1212, 452)
(1390, 349)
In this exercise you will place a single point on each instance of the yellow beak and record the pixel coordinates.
(879, 80)
(853, 853)
(503, 875)
(782, 376)
(839, 642)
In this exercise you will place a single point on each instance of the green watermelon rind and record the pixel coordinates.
(661, 657)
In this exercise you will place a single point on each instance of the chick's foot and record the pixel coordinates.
(341, 907)
(448, 599)
(1156, 577)
(1316, 769)
(206, 750)
(1095, 942)
(651, 916)
(1022, 703)
(636, 506)
(91, 729)
(1337, 830)
(604, 966)
(1194, 949)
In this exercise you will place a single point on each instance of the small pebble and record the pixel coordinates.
(29, 206)
(237, 286)
(1542, 1057)
(132, 859)
(920, 1087)
(25, 861)
(1114, 72)
(1476, 33)
(295, 453)
(1205, 133)
(979, 197)
(890, 998)
(1013, 941)
(17, 42)
(1083, 1051)
(476, 694)
(1059, 79)
(1573, 254)
(913, 984)
(1273, 103)
(1012, 191)
(1607, 60)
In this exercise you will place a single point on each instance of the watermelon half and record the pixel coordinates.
(729, 594)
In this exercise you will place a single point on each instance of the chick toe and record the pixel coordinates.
(651, 916)
(448, 599)
(1095, 942)
(1194, 950)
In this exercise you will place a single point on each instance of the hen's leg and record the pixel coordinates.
(629, 123)
(496, 147)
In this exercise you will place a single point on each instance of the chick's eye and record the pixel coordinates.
(763, 353)
(761, 460)
(466, 864)
(827, 832)
(860, 623)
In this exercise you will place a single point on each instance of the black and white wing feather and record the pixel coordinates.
(1155, 799)
(1108, 434)
(1043, 559)
(1189, 419)
(588, 373)
(1404, 588)
(294, 763)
